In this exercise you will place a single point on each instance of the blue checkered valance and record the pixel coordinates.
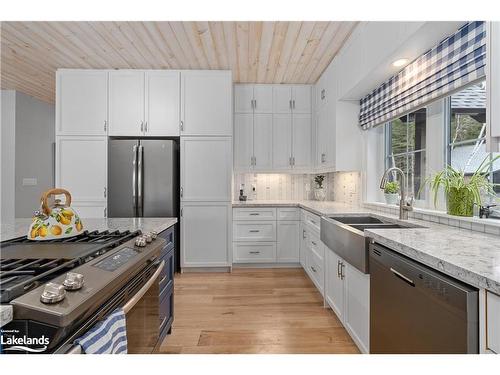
(456, 61)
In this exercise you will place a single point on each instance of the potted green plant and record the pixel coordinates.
(391, 192)
(462, 191)
(319, 191)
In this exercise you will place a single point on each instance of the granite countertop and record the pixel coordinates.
(472, 257)
(19, 227)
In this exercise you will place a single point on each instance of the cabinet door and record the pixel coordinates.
(162, 103)
(82, 102)
(206, 168)
(243, 96)
(81, 165)
(301, 137)
(126, 103)
(243, 141)
(357, 306)
(334, 283)
(207, 103)
(288, 242)
(322, 138)
(282, 141)
(282, 99)
(89, 210)
(205, 232)
(263, 140)
(303, 244)
(301, 96)
(263, 98)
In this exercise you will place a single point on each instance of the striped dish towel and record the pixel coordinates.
(106, 337)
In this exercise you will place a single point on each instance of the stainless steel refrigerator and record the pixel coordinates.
(143, 178)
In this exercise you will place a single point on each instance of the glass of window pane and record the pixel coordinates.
(416, 174)
(467, 157)
(417, 129)
(398, 135)
(468, 114)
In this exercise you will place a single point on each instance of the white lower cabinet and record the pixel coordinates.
(493, 322)
(315, 269)
(348, 294)
(266, 235)
(205, 234)
(288, 242)
(303, 244)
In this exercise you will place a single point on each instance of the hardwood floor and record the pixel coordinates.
(253, 311)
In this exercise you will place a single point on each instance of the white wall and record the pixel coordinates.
(7, 135)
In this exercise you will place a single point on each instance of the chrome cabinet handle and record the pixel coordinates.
(313, 269)
(182, 126)
(290, 161)
(146, 126)
(342, 274)
(314, 243)
(403, 277)
(303, 233)
(182, 192)
(323, 158)
(290, 103)
(254, 252)
(253, 214)
(134, 179)
(293, 160)
(339, 272)
(105, 192)
(254, 231)
(142, 126)
(105, 126)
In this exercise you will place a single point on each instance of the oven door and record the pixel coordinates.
(141, 312)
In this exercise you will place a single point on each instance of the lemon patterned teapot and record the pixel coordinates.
(55, 221)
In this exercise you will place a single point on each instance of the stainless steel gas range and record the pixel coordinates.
(60, 289)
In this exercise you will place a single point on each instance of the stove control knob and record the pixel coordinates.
(53, 293)
(153, 235)
(148, 237)
(140, 241)
(73, 281)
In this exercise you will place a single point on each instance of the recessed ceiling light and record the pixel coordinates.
(400, 62)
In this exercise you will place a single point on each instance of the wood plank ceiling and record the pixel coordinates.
(257, 52)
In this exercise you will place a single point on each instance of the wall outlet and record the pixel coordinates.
(30, 181)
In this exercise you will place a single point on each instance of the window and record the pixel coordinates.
(466, 144)
(405, 148)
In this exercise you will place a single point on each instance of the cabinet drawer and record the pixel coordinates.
(258, 252)
(291, 213)
(493, 322)
(315, 269)
(312, 220)
(315, 244)
(254, 213)
(254, 231)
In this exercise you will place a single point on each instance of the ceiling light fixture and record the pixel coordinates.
(400, 62)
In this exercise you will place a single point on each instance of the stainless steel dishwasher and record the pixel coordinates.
(414, 309)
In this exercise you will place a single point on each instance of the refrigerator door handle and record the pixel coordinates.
(134, 179)
(139, 182)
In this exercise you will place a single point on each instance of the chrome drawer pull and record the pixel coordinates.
(314, 243)
(339, 272)
(254, 252)
(254, 231)
(254, 214)
(313, 269)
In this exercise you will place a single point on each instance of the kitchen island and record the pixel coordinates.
(19, 227)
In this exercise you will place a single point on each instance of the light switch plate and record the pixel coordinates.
(30, 181)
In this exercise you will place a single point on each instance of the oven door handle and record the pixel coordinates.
(77, 349)
(133, 301)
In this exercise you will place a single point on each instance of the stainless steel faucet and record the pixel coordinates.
(405, 206)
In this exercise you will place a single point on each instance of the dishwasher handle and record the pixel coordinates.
(402, 277)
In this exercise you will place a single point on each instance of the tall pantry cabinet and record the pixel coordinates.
(193, 105)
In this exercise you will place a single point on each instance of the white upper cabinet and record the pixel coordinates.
(206, 103)
(301, 99)
(282, 145)
(301, 139)
(162, 103)
(243, 141)
(126, 102)
(206, 169)
(263, 98)
(263, 141)
(282, 98)
(243, 98)
(82, 102)
(81, 167)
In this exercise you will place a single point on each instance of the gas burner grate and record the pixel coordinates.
(20, 274)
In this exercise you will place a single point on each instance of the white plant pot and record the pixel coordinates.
(391, 198)
(319, 194)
